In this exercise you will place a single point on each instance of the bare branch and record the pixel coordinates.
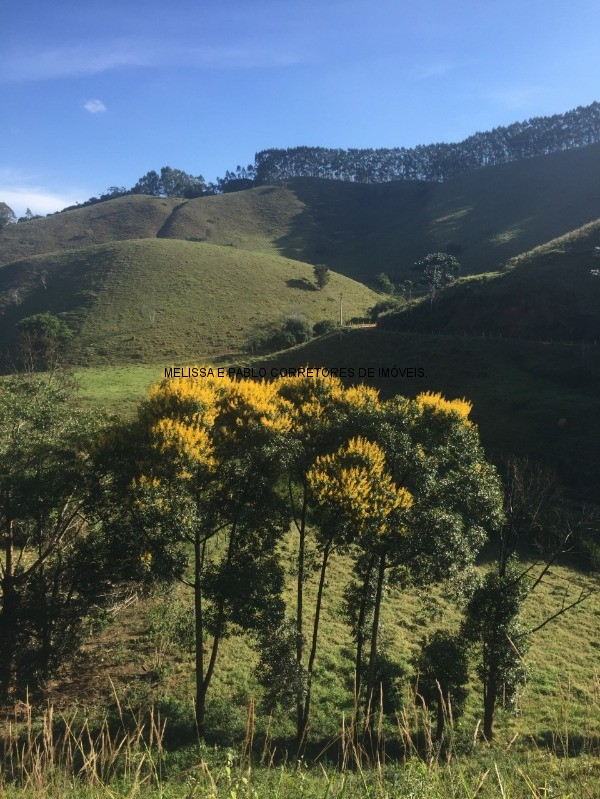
(582, 597)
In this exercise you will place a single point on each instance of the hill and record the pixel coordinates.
(158, 299)
(545, 294)
(131, 217)
(484, 216)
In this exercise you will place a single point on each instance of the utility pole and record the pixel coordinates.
(341, 310)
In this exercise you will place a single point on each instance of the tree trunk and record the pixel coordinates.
(199, 548)
(300, 609)
(313, 649)
(375, 635)
(362, 612)
(489, 705)
(8, 618)
(218, 630)
(439, 729)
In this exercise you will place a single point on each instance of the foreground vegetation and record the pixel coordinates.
(170, 483)
(65, 756)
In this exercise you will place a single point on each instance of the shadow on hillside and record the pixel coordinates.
(571, 745)
(300, 283)
(353, 228)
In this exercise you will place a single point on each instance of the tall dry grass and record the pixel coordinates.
(49, 754)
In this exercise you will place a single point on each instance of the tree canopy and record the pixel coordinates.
(206, 480)
(7, 215)
(50, 574)
(435, 162)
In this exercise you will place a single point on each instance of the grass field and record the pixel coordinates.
(131, 217)
(157, 299)
(551, 744)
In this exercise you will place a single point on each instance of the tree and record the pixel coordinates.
(382, 307)
(492, 621)
(299, 327)
(355, 486)
(414, 496)
(535, 518)
(240, 180)
(439, 270)
(191, 482)
(384, 284)
(323, 327)
(170, 183)
(29, 215)
(296, 330)
(407, 290)
(442, 668)
(7, 215)
(149, 183)
(432, 449)
(322, 275)
(41, 339)
(49, 567)
(322, 413)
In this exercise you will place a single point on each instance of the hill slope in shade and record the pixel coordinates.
(485, 216)
(546, 294)
(157, 299)
(529, 398)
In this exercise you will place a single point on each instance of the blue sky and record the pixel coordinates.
(95, 94)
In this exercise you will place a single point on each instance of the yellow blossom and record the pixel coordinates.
(355, 480)
(430, 399)
(146, 560)
(190, 441)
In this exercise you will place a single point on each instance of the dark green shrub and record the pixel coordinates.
(324, 326)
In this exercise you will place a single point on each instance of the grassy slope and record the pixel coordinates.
(499, 212)
(353, 228)
(147, 666)
(488, 215)
(132, 217)
(159, 299)
(253, 220)
(547, 293)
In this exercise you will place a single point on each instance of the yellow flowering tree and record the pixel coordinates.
(432, 451)
(321, 413)
(355, 484)
(197, 473)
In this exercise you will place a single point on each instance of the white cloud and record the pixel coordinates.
(95, 58)
(37, 199)
(94, 106)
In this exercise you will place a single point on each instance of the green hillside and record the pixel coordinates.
(257, 219)
(132, 217)
(529, 398)
(156, 299)
(485, 216)
(547, 294)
